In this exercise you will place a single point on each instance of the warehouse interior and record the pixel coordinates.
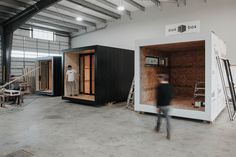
(79, 77)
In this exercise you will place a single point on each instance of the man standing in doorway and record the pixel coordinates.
(163, 99)
(71, 73)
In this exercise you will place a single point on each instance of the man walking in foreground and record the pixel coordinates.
(163, 99)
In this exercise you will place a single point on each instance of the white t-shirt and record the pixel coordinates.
(71, 75)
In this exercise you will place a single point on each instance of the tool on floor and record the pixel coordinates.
(130, 100)
(225, 70)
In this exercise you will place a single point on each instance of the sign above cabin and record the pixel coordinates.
(183, 28)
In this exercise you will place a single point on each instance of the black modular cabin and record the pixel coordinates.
(105, 74)
(49, 76)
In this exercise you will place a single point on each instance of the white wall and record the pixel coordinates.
(215, 15)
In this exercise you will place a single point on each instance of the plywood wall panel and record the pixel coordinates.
(185, 67)
(72, 59)
(149, 76)
(50, 79)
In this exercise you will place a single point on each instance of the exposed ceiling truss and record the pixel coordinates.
(135, 4)
(68, 9)
(114, 6)
(157, 2)
(11, 24)
(96, 8)
(63, 15)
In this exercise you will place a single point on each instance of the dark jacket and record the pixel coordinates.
(163, 94)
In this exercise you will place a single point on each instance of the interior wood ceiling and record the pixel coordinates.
(181, 46)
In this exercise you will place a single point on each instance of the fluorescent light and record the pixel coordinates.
(121, 8)
(79, 19)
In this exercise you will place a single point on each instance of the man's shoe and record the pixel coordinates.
(157, 129)
(168, 137)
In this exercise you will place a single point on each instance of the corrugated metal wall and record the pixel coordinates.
(0, 60)
(26, 50)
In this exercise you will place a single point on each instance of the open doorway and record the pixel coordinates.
(82, 63)
(184, 63)
(48, 76)
(45, 76)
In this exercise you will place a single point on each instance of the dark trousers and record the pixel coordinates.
(165, 110)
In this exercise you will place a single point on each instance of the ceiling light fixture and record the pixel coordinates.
(79, 19)
(121, 8)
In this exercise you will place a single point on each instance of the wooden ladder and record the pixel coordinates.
(130, 100)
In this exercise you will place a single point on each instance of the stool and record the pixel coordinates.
(13, 93)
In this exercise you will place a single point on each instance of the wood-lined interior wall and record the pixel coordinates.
(45, 75)
(50, 79)
(37, 64)
(149, 75)
(186, 66)
(71, 58)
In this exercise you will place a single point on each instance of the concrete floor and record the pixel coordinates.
(51, 127)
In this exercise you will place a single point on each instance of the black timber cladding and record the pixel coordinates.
(114, 72)
(57, 79)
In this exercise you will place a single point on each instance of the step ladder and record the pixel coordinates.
(130, 100)
(199, 90)
(199, 94)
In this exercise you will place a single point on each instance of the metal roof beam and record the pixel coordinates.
(135, 4)
(4, 15)
(177, 1)
(59, 22)
(59, 6)
(1, 20)
(14, 3)
(157, 2)
(10, 25)
(13, 11)
(47, 11)
(29, 26)
(96, 8)
(40, 22)
(114, 6)
(11, 6)
(80, 13)
(7, 9)
(14, 22)
(71, 18)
